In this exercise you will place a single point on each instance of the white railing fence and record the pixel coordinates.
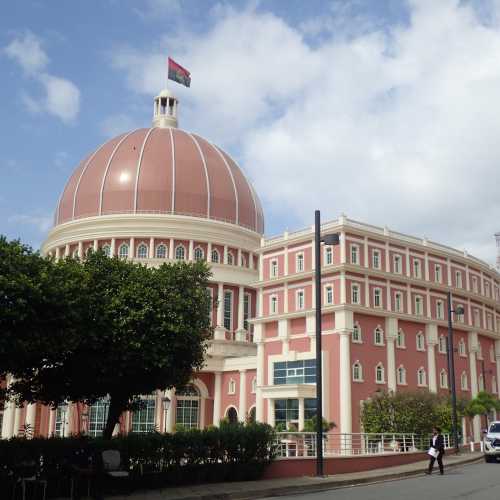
(303, 444)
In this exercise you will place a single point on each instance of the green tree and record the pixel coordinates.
(129, 330)
(482, 404)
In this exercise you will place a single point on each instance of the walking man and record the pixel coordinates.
(436, 450)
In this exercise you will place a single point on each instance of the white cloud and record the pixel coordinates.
(41, 223)
(396, 127)
(61, 96)
(27, 51)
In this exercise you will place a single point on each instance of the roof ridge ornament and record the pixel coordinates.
(165, 110)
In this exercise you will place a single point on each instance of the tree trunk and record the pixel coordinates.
(116, 406)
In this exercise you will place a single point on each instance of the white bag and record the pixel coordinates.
(433, 452)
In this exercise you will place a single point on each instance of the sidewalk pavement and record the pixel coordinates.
(278, 487)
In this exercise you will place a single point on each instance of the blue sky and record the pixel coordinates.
(383, 110)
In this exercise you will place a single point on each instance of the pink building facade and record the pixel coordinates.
(162, 194)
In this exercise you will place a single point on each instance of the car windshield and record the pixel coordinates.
(495, 428)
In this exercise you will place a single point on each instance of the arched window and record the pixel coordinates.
(401, 375)
(273, 306)
(142, 251)
(161, 251)
(461, 348)
(378, 336)
(439, 309)
(215, 256)
(252, 415)
(230, 258)
(443, 379)
(123, 251)
(356, 333)
(377, 297)
(419, 309)
(357, 372)
(398, 302)
(231, 387)
(180, 252)
(199, 254)
(463, 382)
(106, 249)
(420, 341)
(379, 374)
(232, 415)
(187, 412)
(254, 385)
(442, 344)
(400, 340)
(328, 255)
(421, 377)
(143, 419)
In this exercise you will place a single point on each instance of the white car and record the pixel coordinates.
(492, 442)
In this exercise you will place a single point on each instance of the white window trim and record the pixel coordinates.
(379, 255)
(124, 245)
(417, 265)
(442, 341)
(401, 299)
(382, 343)
(271, 297)
(397, 258)
(175, 251)
(438, 273)
(398, 381)
(415, 300)
(441, 384)
(142, 244)
(298, 306)
(360, 340)
(458, 281)
(351, 248)
(462, 352)
(325, 291)
(360, 370)
(380, 305)
(202, 253)
(215, 252)
(273, 268)
(464, 378)
(420, 335)
(253, 386)
(328, 249)
(380, 365)
(424, 383)
(231, 387)
(230, 258)
(166, 251)
(401, 345)
(439, 312)
(358, 288)
(297, 260)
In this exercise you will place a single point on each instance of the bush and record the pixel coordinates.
(231, 452)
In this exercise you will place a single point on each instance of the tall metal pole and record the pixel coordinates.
(451, 371)
(319, 381)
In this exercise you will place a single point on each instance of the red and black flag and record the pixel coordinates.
(178, 74)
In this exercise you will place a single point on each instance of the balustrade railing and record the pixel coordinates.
(303, 444)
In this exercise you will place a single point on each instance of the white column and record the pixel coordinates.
(260, 303)
(8, 419)
(388, 296)
(67, 420)
(31, 417)
(17, 421)
(170, 417)
(58, 253)
(261, 267)
(448, 264)
(285, 297)
(342, 288)
(238, 263)
(217, 397)
(367, 292)
(391, 334)
(66, 250)
(190, 251)
(52, 419)
(242, 407)
(409, 305)
(431, 337)
(250, 260)
(171, 249)
(427, 303)
(96, 245)
(259, 403)
(80, 249)
(241, 334)
(345, 383)
(220, 332)
(467, 278)
(209, 251)
(473, 348)
(342, 248)
(113, 247)
(301, 414)
(285, 271)
(408, 267)
(426, 266)
(365, 252)
(151, 248)
(225, 255)
(132, 248)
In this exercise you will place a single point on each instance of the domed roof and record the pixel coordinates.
(161, 171)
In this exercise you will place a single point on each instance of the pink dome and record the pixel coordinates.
(161, 171)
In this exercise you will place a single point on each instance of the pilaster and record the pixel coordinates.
(391, 334)
(431, 338)
(217, 397)
(242, 407)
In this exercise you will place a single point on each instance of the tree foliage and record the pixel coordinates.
(482, 404)
(82, 331)
(407, 412)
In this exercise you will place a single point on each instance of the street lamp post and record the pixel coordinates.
(166, 405)
(451, 371)
(330, 239)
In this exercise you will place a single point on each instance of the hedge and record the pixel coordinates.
(231, 452)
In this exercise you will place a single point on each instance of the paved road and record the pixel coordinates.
(479, 481)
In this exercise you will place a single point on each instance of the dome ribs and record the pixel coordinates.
(206, 172)
(117, 194)
(191, 194)
(86, 200)
(139, 162)
(224, 196)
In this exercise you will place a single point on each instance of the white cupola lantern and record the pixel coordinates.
(165, 110)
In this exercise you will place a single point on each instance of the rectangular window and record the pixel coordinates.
(228, 310)
(300, 299)
(285, 411)
(437, 273)
(377, 297)
(439, 310)
(295, 372)
(354, 254)
(273, 268)
(458, 279)
(355, 294)
(328, 255)
(273, 304)
(397, 264)
(329, 295)
(98, 415)
(187, 412)
(376, 259)
(60, 420)
(417, 272)
(398, 302)
(418, 306)
(246, 310)
(474, 284)
(143, 420)
(477, 321)
(300, 262)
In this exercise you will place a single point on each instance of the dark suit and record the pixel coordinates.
(439, 446)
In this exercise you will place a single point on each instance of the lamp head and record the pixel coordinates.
(166, 403)
(331, 239)
(459, 310)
